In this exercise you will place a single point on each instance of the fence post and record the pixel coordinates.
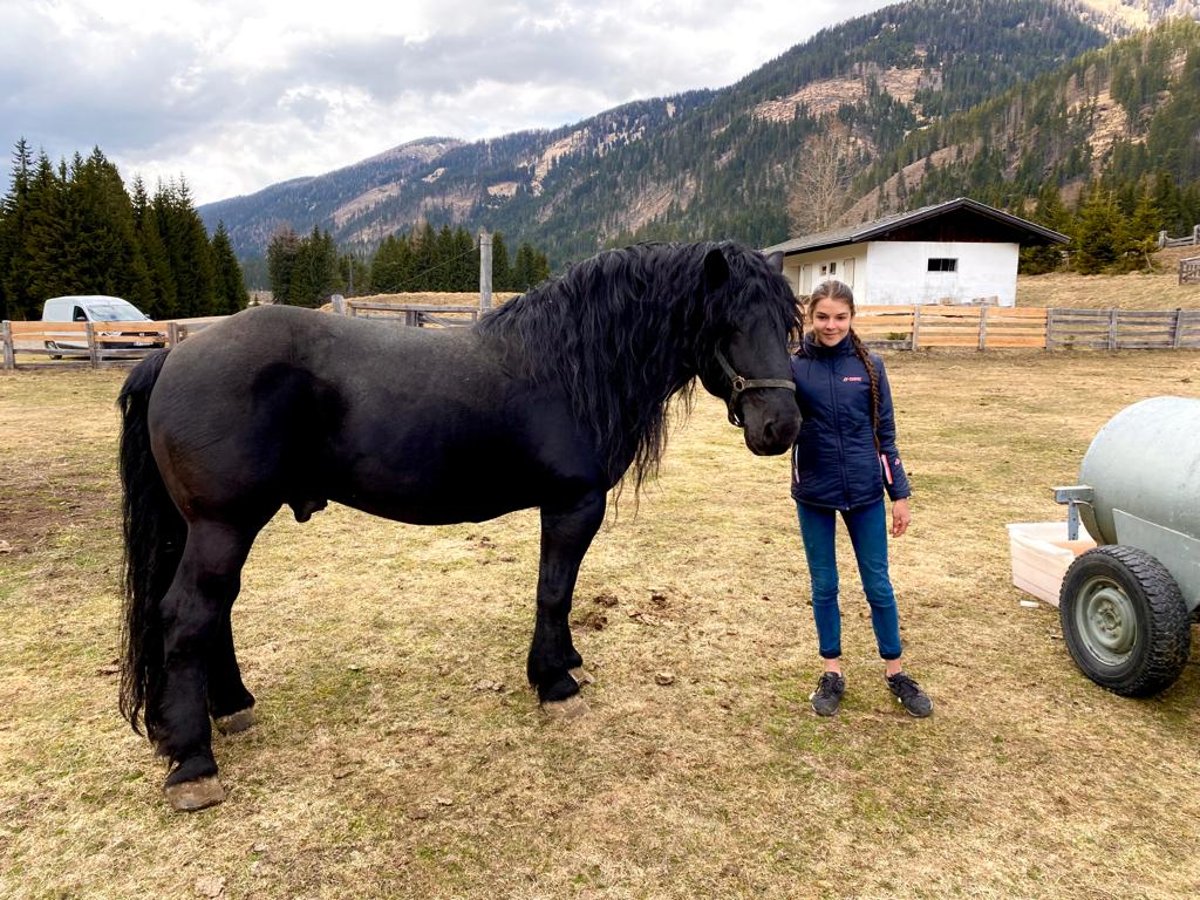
(1112, 329)
(339, 303)
(93, 350)
(485, 269)
(916, 338)
(172, 334)
(983, 317)
(10, 356)
(1177, 329)
(1162, 239)
(1195, 234)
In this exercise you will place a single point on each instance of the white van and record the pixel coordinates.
(95, 308)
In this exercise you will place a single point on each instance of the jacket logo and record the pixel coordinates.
(851, 378)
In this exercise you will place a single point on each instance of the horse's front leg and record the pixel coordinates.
(566, 535)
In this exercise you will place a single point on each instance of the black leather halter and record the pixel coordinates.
(738, 384)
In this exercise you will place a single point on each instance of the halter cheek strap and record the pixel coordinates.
(739, 384)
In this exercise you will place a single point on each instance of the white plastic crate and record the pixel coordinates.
(1041, 555)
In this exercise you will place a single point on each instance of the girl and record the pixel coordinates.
(844, 460)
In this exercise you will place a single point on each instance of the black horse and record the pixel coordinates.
(546, 402)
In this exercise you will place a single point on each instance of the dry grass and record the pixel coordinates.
(1156, 289)
(388, 764)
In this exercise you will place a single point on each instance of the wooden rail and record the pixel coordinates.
(97, 343)
(418, 315)
(882, 327)
(1189, 270)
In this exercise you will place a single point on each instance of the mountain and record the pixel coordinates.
(735, 162)
(1124, 114)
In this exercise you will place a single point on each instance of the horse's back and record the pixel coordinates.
(282, 405)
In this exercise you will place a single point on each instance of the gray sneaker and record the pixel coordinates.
(909, 695)
(828, 695)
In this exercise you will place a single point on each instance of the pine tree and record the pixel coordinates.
(15, 301)
(161, 302)
(282, 253)
(392, 267)
(1050, 212)
(44, 236)
(186, 242)
(230, 287)
(1098, 239)
(501, 266)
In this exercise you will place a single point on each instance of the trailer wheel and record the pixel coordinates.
(1124, 620)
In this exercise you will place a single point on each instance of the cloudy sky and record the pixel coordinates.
(234, 96)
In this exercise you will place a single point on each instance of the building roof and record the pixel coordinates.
(992, 220)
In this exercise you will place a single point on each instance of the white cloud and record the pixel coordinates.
(235, 96)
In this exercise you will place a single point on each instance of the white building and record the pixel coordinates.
(958, 252)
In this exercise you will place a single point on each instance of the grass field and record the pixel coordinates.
(400, 754)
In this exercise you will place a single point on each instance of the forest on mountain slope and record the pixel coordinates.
(700, 165)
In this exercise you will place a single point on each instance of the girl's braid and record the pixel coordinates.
(864, 355)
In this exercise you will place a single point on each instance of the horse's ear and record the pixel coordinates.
(716, 270)
(775, 262)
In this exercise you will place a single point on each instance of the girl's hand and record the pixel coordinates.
(901, 517)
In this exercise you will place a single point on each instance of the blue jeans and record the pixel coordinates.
(868, 533)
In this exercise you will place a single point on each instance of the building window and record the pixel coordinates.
(833, 268)
(937, 264)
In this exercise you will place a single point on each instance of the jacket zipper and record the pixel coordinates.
(837, 428)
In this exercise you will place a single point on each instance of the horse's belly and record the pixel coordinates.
(419, 508)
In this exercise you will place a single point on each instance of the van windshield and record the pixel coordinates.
(116, 312)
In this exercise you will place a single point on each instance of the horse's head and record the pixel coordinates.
(749, 310)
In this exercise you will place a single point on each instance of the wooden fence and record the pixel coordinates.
(884, 327)
(96, 343)
(1190, 240)
(997, 327)
(419, 315)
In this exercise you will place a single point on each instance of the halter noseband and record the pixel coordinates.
(739, 384)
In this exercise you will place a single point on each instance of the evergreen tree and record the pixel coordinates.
(1099, 238)
(1050, 212)
(392, 267)
(188, 251)
(314, 276)
(531, 268)
(230, 288)
(160, 303)
(501, 266)
(282, 254)
(44, 236)
(465, 266)
(15, 300)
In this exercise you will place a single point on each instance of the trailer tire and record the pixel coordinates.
(1124, 620)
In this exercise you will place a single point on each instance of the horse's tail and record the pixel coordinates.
(154, 535)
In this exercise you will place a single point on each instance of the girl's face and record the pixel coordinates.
(831, 320)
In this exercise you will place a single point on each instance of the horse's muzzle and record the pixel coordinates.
(772, 421)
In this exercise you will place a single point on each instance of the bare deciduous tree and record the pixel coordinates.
(819, 189)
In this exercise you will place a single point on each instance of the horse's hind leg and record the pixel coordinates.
(204, 587)
(566, 536)
(229, 703)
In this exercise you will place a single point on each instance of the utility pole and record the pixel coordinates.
(485, 269)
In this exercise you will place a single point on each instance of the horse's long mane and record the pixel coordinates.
(625, 330)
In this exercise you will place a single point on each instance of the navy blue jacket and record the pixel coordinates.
(834, 463)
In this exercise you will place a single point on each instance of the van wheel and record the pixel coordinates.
(50, 348)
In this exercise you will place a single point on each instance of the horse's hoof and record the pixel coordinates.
(235, 722)
(189, 796)
(582, 676)
(563, 710)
